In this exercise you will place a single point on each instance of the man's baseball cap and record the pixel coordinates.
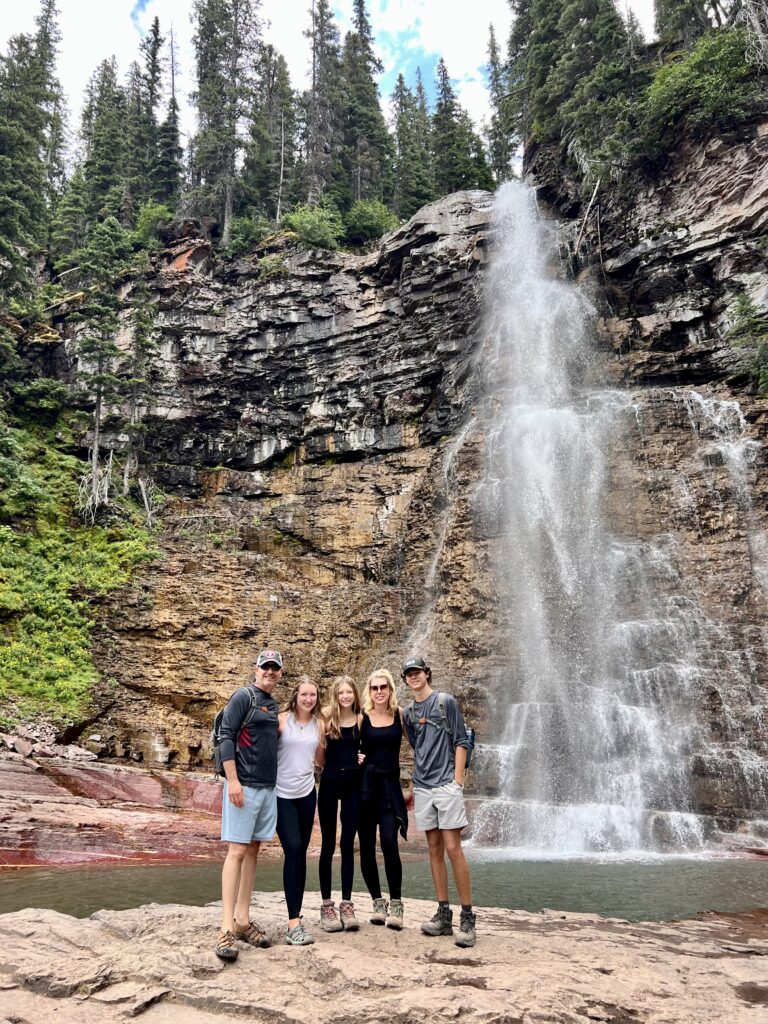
(266, 657)
(414, 662)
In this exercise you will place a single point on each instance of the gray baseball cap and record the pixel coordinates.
(414, 662)
(266, 657)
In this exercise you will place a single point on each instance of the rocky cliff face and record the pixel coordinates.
(316, 436)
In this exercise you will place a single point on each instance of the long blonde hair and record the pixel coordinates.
(380, 673)
(332, 711)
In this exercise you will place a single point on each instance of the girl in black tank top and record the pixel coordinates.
(340, 787)
(382, 803)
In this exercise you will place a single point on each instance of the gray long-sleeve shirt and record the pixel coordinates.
(434, 748)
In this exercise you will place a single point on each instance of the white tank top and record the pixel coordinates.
(296, 758)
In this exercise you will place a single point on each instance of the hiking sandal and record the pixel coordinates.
(253, 934)
(225, 947)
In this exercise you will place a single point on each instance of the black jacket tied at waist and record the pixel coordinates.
(383, 790)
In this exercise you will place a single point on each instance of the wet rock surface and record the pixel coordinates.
(156, 963)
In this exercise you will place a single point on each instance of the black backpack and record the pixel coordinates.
(411, 720)
(218, 764)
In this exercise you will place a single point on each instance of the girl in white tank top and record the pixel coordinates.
(301, 737)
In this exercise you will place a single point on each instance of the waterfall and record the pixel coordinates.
(600, 636)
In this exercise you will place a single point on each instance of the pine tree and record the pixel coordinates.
(140, 144)
(226, 41)
(368, 153)
(104, 128)
(103, 258)
(47, 40)
(459, 158)
(413, 183)
(270, 155)
(324, 110)
(69, 227)
(516, 111)
(681, 21)
(168, 169)
(499, 130)
(23, 120)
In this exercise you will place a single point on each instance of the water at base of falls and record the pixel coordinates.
(599, 647)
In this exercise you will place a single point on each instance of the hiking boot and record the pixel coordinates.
(298, 936)
(379, 914)
(395, 916)
(329, 919)
(225, 947)
(466, 936)
(252, 934)
(441, 923)
(347, 914)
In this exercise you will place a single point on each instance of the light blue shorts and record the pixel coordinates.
(255, 821)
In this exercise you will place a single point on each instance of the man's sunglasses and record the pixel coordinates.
(270, 666)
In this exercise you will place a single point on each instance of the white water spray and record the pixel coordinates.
(591, 757)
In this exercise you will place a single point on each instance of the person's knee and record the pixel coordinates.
(453, 848)
(435, 842)
(237, 852)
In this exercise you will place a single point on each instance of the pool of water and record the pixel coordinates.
(637, 890)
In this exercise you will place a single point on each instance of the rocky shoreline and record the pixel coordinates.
(156, 962)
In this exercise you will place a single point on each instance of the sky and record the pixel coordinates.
(408, 34)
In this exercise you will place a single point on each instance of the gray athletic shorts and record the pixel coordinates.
(442, 807)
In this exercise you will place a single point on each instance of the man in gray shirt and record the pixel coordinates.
(438, 736)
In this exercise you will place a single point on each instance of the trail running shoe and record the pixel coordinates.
(347, 914)
(298, 936)
(329, 919)
(466, 936)
(395, 917)
(225, 947)
(379, 914)
(252, 934)
(441, 923)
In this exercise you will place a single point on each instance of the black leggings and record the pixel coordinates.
(371, 816)
(332, 792)
(295, 819)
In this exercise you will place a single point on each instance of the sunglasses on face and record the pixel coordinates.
(378, 689)
(270, 667)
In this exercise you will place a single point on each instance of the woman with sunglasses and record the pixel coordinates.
(382, 804)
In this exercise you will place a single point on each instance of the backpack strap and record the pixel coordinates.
(410, 719)
(408, 714)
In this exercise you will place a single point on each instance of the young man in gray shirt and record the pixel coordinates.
(439, 740)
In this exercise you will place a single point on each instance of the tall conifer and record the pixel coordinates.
(226, 41)
(368, 151)
(324, 110)
(413, 183)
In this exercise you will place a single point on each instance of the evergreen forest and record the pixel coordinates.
(84, 205)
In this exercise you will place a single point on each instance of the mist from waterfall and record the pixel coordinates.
(593, 753)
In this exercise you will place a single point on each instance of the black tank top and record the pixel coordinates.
(341, 753)
(381, 745)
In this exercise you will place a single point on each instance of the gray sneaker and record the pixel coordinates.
(379, 914)
(329, 919)
(441, 923)
(395, 916)
(466, 936)
(298, 936)
(347, 914)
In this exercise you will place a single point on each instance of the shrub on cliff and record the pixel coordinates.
(319, 227)
(749, 330)
(369, 220)
(712, 88)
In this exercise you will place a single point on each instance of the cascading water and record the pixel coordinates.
(594, 753)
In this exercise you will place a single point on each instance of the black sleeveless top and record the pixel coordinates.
(381, 745)
(341, 752)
